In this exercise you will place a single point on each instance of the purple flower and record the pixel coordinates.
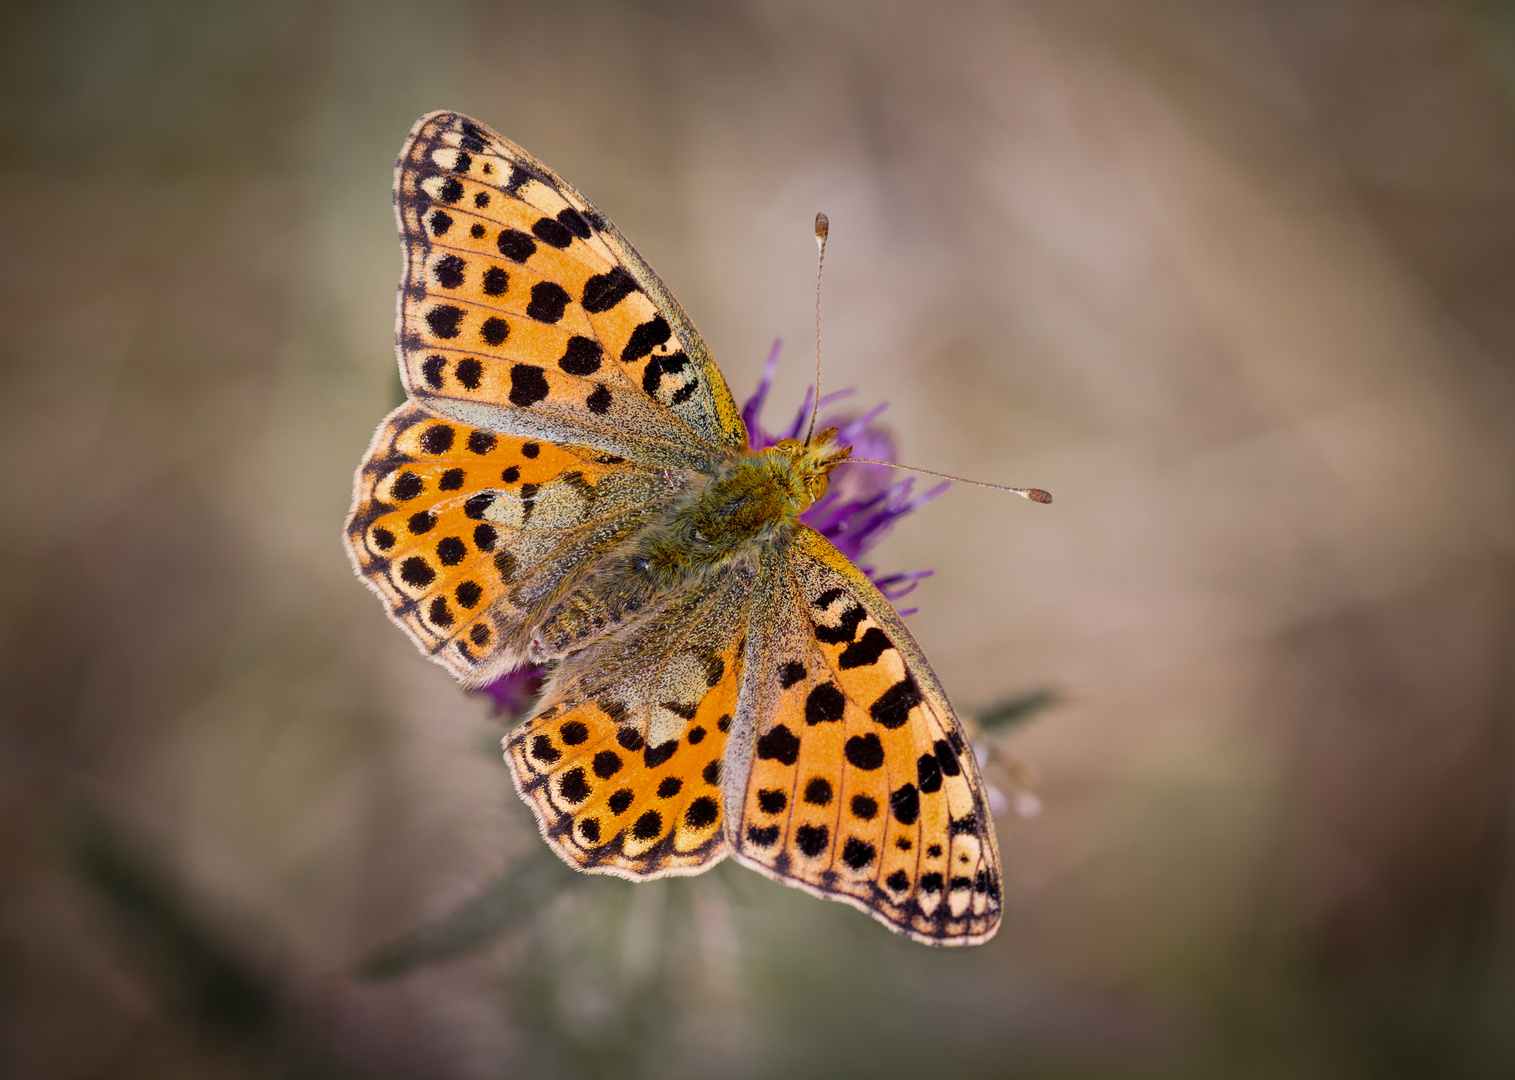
(859, 508)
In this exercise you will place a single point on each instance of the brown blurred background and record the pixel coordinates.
(1235, 280)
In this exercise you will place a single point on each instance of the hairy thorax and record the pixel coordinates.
(715, 527)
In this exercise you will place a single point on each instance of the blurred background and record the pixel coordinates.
(1235, 279)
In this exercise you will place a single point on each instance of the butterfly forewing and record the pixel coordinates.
(861, 786)
(522, 309)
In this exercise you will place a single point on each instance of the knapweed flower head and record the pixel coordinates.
(861, 505)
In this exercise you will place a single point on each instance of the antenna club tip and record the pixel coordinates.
(1038, 495)
(822, 226)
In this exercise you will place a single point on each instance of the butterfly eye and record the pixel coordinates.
(818, 487)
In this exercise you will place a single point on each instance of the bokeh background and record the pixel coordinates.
(1235, 279)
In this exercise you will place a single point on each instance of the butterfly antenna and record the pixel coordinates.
(822, 228)
(1034, 494)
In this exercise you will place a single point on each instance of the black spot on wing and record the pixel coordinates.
(858, 853)
(444, 320)
(582, 357)
(702, 812)
(648, 825)
(543, 750)
(818, 791)
(528, 385)
(844, 630)
(893, 706)
(864, 752)
(416, 572)
(437, 439)
(574, 786)
(866, 650)
(604, 291)
(928, 773)
(494, 331)
(552, 232)
(865, 807)
(548, 302)
(451, 550)
(824, 704)
(811, 839)
(421, 523)
(653, 756)
(906, 804)
(470, 372)
(516, 245)
(629, 737)
(407, 486)
(781, 745)
(574, 222)
(827, 598)
(448, 271)
(646, 337)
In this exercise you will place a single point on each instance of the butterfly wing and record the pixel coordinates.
(522, 310)
(623, 763)
(528, 324)
(857, 783)
(466, 534)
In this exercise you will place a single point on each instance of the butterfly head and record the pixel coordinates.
(812, 462)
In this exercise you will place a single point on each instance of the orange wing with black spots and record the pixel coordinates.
(524, 311)
(624, 762)
(466, 534)
(860, 786)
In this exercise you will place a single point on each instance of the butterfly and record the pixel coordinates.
(570, 483)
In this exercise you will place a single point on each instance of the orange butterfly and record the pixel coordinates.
(571, 484)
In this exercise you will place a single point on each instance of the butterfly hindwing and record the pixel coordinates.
(523, 310)
(624, 761)
(464, 534)
(861, 786)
